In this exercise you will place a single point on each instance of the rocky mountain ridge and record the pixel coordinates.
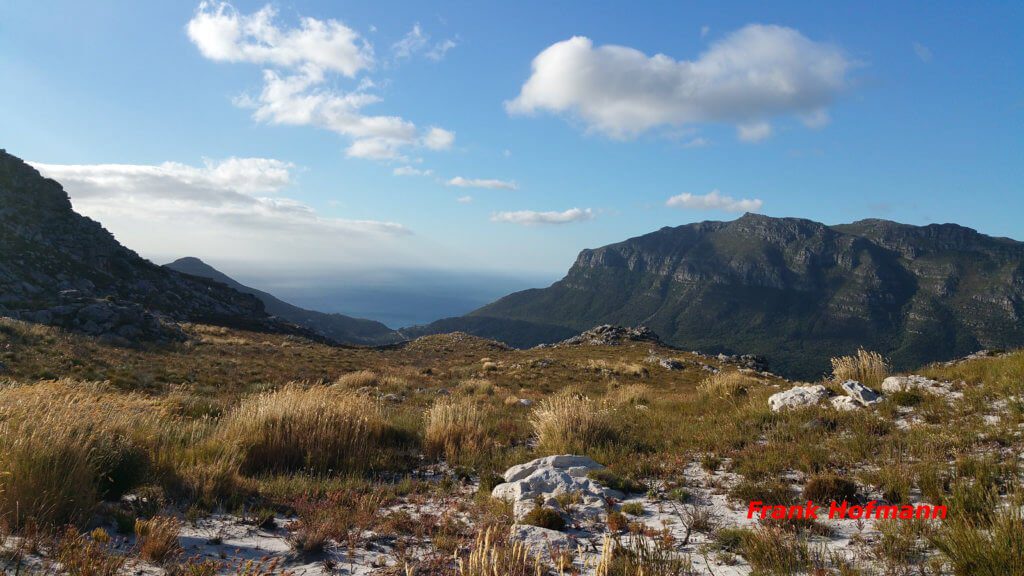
(793, 290)
(60, 268)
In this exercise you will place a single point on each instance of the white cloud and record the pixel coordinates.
(754, 132)
(222, 34)
(464, 199)
(438, 139)
(439, 50)
(751, 76)
(923, 52)
(714, 200)
(414, 41)
(533, 218)
(704, 30)
(296, 85)
(411, 171)
(233, 207)
(697, 142)
(461, 182)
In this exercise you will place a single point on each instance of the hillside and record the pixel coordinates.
(337, 327)
(792, 290)
(60, 268)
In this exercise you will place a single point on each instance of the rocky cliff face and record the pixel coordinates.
(794, 290)
(60, 268)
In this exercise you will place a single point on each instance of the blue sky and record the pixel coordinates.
(911, 112)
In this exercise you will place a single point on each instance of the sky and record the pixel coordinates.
(293, 140)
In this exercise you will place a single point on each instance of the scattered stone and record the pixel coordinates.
(860, 393)
(798, 397)
(525, 402)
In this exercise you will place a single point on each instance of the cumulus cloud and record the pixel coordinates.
(461, 182)
(714, 200)
(533, 218)
(297, 79)
(235, 204)
(749, 77)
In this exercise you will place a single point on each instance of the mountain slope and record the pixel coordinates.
(793, 290)
(338, 327)
(58, 267)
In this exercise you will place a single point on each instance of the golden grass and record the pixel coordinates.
(868, 368)
(157, 538)
(630, 395)
(318, 429)
(728, 384)
(571, 423)
(492, 556)
(453, 426)
(65, 444)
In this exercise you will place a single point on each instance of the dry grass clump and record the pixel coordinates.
(157, 538)
(476, 386)
(630, 395)
(727, 384)
(369, 379)
(81, 555)
(319, 429)
(868, 368)
(65, 444)
(570, 423)
(616, 367)
(453, 426)
(492, 554)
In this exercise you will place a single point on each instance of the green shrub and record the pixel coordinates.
(633, 509)
(827, 488)
(545, 518)
(610, 479)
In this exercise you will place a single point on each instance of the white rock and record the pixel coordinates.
(844, 403)
(798, 397)
(918, 383)
(546, 478)
(525, 402)
(860, 393)
(539, 541)
(560, 461)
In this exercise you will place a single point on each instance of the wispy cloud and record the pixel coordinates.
(714, 200)
(299, 65)
(534, 218)
(922, 52)
(238, 201)
(746, 79)
(464, 199)
(461, 182)
(411, 171)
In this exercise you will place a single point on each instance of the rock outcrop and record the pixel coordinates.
(543, 479)
(798, 397)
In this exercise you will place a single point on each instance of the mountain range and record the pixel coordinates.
(792, 290)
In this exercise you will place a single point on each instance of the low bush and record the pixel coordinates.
(157, 538)
(827, 488)
(544, 517)
(610, 479)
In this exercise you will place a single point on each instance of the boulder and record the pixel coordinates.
(844, 403)
(545, 478)
(798, 397)
(860, 393)
(540, 541)
(918, 383)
